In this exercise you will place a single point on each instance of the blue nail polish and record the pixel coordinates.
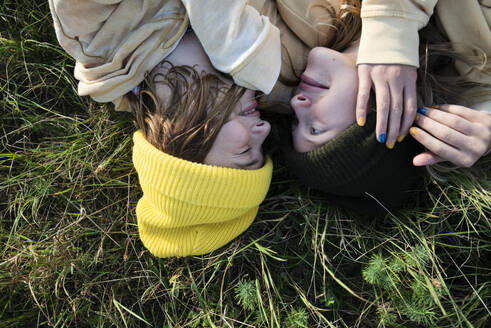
(381, 138)
(422, 110)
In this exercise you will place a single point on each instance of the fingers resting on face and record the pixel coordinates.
(452, 133)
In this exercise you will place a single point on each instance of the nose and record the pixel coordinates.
(300, 101)
(261, 127)
(301, 105)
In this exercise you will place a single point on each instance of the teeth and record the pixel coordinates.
(250, 111)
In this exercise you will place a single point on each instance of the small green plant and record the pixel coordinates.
(386, 315)
(397, 265)
(402, 280)
(376, 272)
(420, 292)
(245, 294)
(419, 312)
(417, 256)
(296, 318)
(329, 298)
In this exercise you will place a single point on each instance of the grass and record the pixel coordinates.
(71, 257)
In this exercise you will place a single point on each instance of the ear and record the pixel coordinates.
(163, 93)
(157, 79)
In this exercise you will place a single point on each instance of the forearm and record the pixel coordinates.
(238, 41)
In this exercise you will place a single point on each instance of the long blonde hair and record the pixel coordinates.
(346, 23)
(335, 30)
(185, 124)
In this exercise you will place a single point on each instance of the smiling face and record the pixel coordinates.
(325, 100)
(238, 143)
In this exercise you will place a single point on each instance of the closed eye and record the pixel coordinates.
(245, 151)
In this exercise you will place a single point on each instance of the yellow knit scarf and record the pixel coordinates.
(190, 208)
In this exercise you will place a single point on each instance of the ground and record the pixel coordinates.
(71, 256)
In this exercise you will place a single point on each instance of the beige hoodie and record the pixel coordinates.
(389, 31)
(116, 42)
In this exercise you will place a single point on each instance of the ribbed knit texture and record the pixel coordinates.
(190, 208)
(354, 164)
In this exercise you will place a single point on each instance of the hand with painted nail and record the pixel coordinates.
(452, 133)
(395, 94)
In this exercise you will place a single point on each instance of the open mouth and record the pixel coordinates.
(250, 110)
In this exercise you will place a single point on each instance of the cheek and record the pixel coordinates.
(337, 108)
(233, 136)
(346, 88)
(318, 57)
(350, 91)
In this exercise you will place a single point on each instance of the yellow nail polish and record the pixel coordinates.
(413, 131)
(416, 117)
(401, 138)
(391, 145)
(361, 121)
(435, 106)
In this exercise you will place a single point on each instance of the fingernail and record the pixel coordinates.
(361, 121)
(413, 131)
(391, 145)
(401, 138)
(435, 106)
(381, 138)
(416, 117)
(422, 110)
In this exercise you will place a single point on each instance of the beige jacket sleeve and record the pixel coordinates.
(115, 42)
(238, 40)
(389, 33)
